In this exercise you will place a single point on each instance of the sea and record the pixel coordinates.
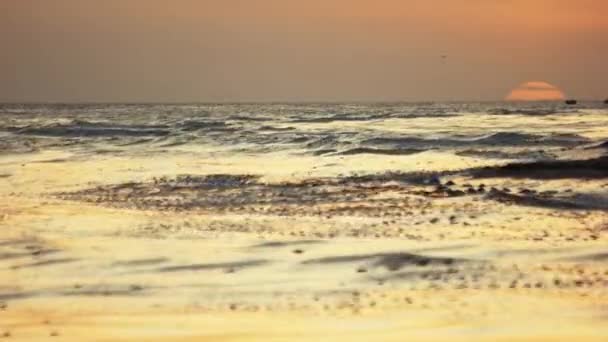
(485, 130)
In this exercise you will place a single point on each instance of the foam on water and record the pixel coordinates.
(316, 129)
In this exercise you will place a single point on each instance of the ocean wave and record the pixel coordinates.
(334, 119)
(276, 129)
(290, 127)
(248, 118)
(532, 111)
(372, 117)
(204, 125)
(600, 145)
(514, 139)
(497, 154)
(78, 128)
(386, 151)
(495, 139)
(558, 169)
(326, 141)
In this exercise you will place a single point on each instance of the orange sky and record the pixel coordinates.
(296, 50)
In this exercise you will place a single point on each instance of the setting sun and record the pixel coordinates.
(536, 91)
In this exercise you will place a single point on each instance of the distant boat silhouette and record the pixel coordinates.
(571, 102)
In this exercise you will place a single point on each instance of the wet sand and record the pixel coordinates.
(196, 258)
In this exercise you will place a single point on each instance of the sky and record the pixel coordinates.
(299, 50)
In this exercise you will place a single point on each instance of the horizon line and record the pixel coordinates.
(280, 102)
